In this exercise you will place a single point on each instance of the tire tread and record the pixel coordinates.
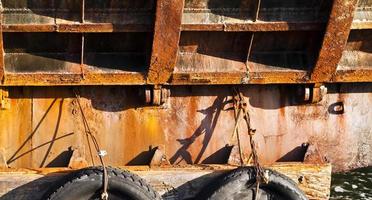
(97, 171)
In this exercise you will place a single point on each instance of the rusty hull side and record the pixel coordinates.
(43, 125)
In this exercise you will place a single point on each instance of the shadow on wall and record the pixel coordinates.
(108, 99)
(219, 157)
(144, 158)
(206, 129)
(62, 159)
(296, 155)
(60, 52)
(294, 50)
(363, 39)
(102, 98)
(246, 9)
(240, 9)
(117, 99)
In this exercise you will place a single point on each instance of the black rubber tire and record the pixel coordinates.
(86, 184)
(243, 179)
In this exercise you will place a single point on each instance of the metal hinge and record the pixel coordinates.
(157, 95)
(313, 94)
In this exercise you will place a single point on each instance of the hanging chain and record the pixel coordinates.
(241, 106)
(101, 153)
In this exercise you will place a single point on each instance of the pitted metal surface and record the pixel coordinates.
(194, 126)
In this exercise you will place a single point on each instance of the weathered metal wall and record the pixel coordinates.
(43, 125)
(188, 42)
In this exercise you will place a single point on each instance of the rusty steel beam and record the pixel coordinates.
(217, 78)
(29, 28)
(167, 33)
(47, 79)
(136, 78)
(353, 75)
(103, 28)
(335, 39)
(77, 28)
(357, 25)
(2, 53)
(186, 78)
(275, 26)
(109, 27)
(202, 27)
(256, 26)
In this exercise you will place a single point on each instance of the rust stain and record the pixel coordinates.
(195, 126)
(18, 120)
(187, 16)
(77, 28)
(2, 53)
(256, 27)
(335, 39)
(166, 38)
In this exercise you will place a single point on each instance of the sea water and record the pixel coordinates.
(352, 185)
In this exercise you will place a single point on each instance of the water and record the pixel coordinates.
(352, 185)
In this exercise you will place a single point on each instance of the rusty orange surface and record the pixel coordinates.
(43, 125)
(206, 43)
(188, 42)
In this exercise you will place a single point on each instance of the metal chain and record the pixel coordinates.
(241, 105)
(101, 153)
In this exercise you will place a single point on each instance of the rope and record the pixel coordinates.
(82, 20)
(252, 37)
(101, 153)
(241, 105)
(259, 171)
(236, 131)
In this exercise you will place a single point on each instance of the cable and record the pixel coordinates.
(101, 153)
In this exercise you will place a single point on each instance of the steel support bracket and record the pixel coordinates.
(159, 158)
(4, 98)
(77, 159)
(157, 95)
(313, 155)
(234, 157)
(313, 94)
